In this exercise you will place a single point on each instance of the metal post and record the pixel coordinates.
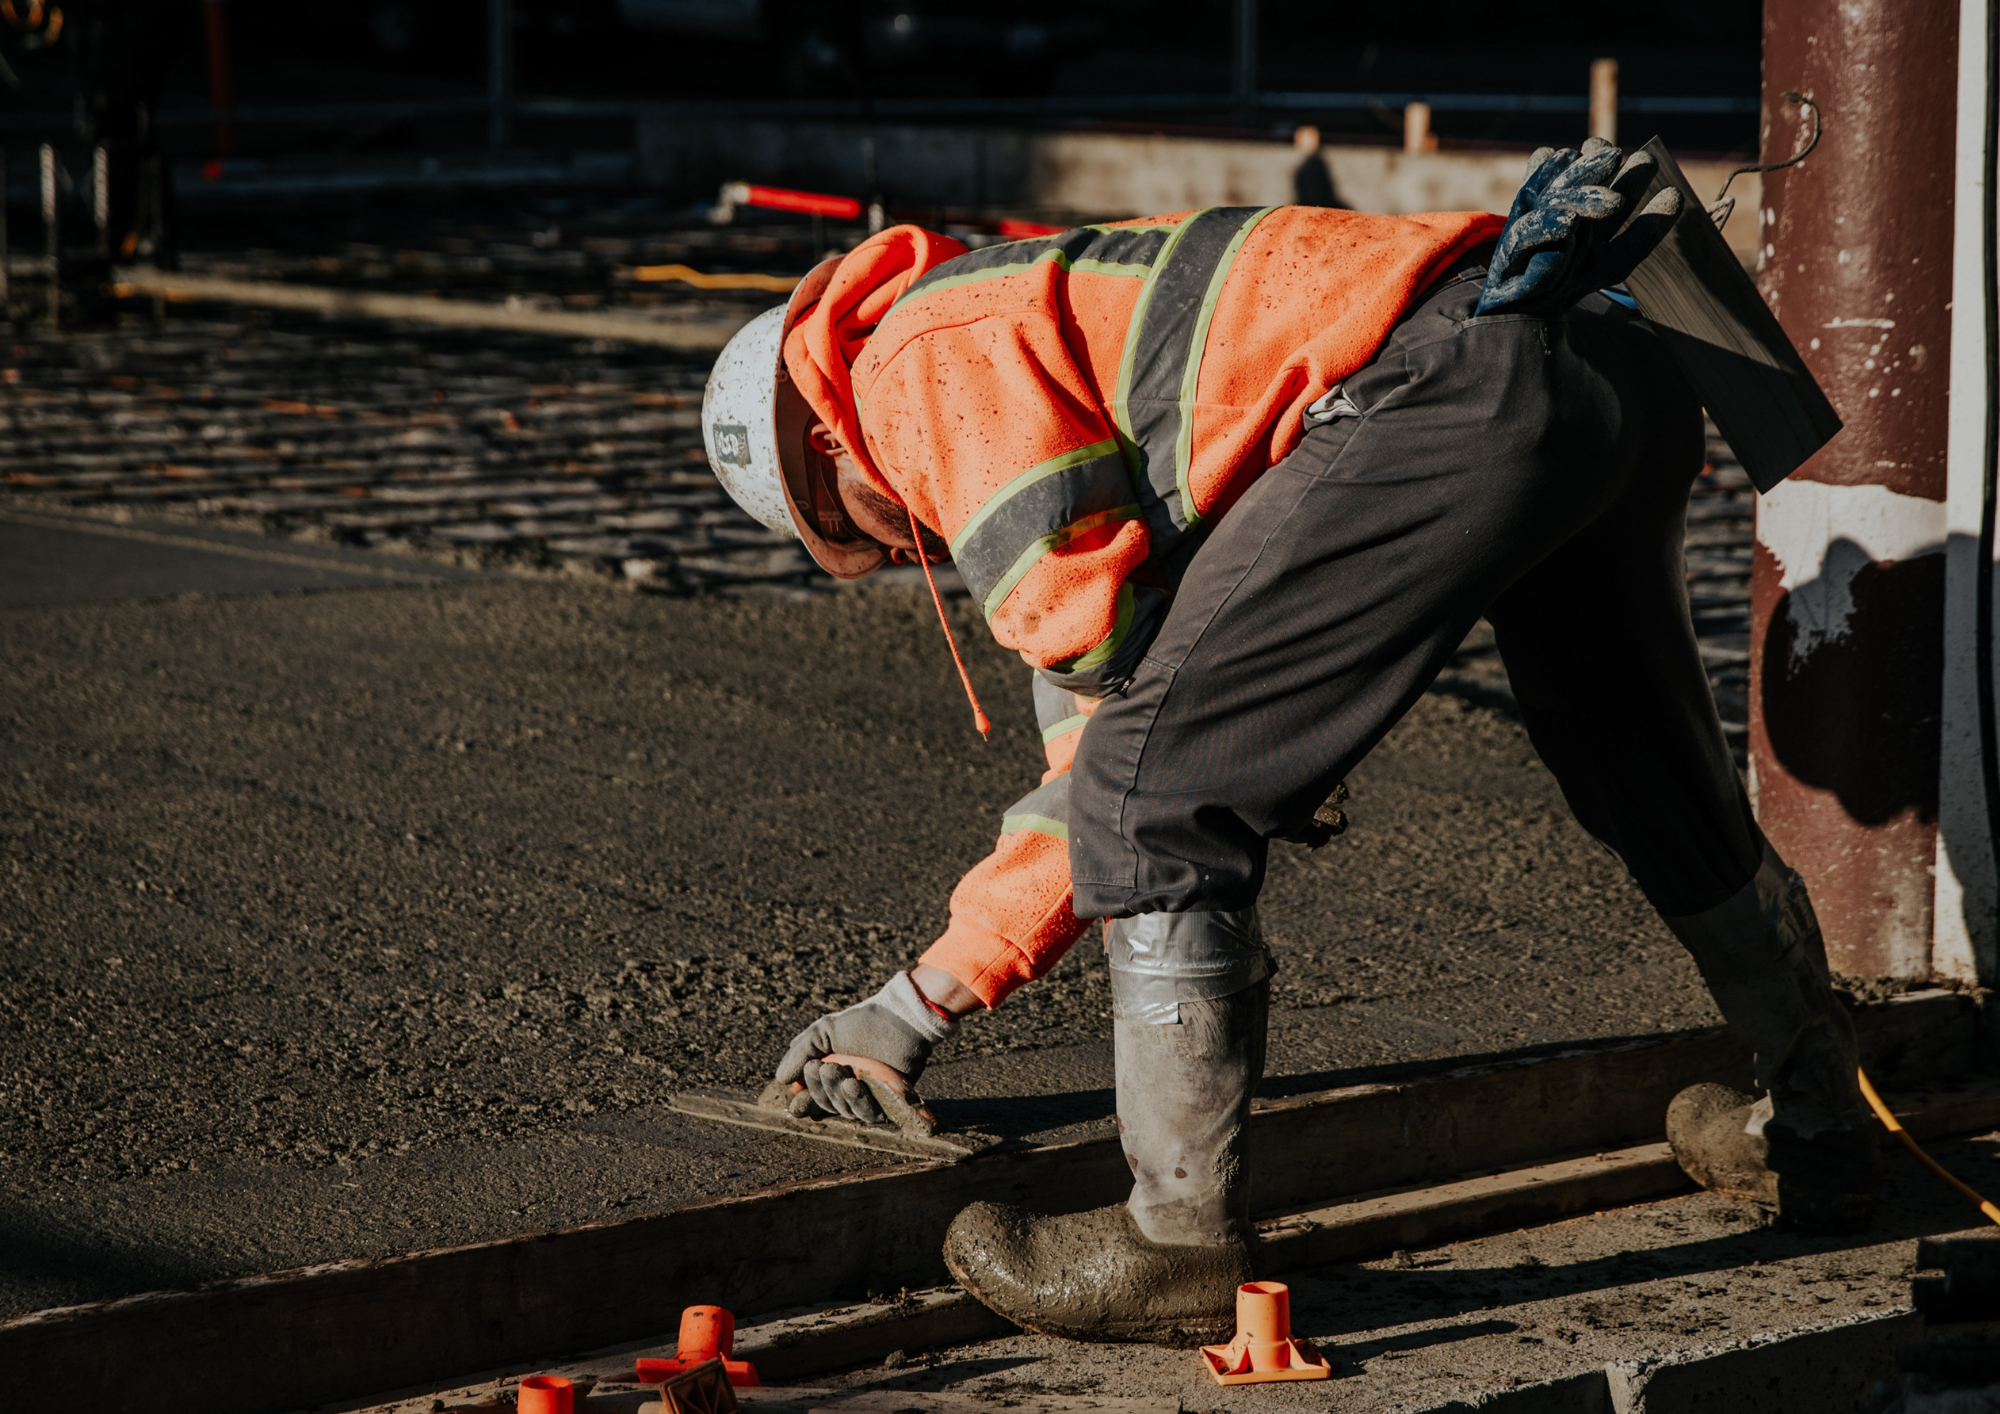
(6, 255)
(1604, 99)
(500, 73)
(1847, 581)
(100, 196)
(1966, 943)
(52, 233)
(1417, 135)
(1245, 60)
(221, 81)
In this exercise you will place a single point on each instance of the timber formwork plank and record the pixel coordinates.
(341, 1329)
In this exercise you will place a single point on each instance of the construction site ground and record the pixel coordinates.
(1696, 1294)
(413, 771)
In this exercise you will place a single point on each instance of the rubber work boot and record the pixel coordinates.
(1808, 1150)
(1164, 1265)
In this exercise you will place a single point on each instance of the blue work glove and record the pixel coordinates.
(1562, 239)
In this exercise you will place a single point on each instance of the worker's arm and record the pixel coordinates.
(989, 430)
(1011, 919)
(1011, 922)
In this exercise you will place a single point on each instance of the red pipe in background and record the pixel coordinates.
(221, 91)
(808, 203)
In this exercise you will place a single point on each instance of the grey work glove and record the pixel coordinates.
(895, 1026)
(1562, 238)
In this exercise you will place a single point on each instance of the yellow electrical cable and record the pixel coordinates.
(1894, 1127)
(776, 284)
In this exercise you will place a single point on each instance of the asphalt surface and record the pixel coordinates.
(341, 923)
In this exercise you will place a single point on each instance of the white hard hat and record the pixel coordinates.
(754, 422)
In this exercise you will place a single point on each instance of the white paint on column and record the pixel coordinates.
(1822, 536)
(1966, 940)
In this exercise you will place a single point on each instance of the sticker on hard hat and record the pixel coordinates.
(732, 444)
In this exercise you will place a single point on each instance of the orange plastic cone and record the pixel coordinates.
(546, 1394)
(707, 1333)
(1264, 1348)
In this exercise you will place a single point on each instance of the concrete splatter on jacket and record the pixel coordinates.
(1071, 412)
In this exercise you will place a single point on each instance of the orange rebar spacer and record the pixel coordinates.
(707, 1333)
(546, 1394)
(1264, 1348)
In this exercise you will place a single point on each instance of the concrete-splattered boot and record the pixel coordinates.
(1190, 1000)
(1808, 1149)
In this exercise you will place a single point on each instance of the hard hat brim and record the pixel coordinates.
(843, 559)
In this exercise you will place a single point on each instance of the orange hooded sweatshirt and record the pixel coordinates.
(1070, 411)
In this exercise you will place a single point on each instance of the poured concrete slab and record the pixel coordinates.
(49, 557)
(342, 925)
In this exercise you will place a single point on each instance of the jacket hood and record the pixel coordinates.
(824, 342)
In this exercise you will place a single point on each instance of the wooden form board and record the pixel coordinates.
(343, 1329)
(696, 337)
(819, 1342)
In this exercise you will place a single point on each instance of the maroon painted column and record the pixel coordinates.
(1848, 578)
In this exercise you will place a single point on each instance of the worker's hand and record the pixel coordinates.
(895, 1027)
(1563, 238)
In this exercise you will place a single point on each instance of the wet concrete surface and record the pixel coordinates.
(52, 556)
(339, 924)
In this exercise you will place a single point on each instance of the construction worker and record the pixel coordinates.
(1236, 484)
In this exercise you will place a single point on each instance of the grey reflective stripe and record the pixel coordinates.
(1052, 705)
(1045, 506)
(1097, 250)
(1161, 363)
(1044, 810)
(1159, 960)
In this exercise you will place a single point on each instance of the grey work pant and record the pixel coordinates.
(1535, 471)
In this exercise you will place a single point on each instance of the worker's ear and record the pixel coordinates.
(821, 439)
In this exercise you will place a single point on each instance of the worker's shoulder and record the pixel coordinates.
(1027, 273)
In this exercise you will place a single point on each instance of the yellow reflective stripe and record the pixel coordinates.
(1041, 471)
(1064, 727)
(1039, 824)
(1103, 651)
(1057, 256)
(1121, 397)
(1042, 546)
(1191, 375)
(1122, 269)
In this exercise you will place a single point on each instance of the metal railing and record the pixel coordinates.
(914, 109)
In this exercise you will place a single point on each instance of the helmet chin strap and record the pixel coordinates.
(978, 713)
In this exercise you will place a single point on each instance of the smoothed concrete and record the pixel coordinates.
(50, 557)
(336, 925)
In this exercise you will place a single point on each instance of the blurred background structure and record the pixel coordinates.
(531, 222)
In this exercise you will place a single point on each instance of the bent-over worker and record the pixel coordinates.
(1236, 484)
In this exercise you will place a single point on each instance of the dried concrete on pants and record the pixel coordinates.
(342, 924)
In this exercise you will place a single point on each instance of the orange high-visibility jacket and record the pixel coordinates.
(1067, 412)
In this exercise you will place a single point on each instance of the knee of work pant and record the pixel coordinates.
(1159, 960)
